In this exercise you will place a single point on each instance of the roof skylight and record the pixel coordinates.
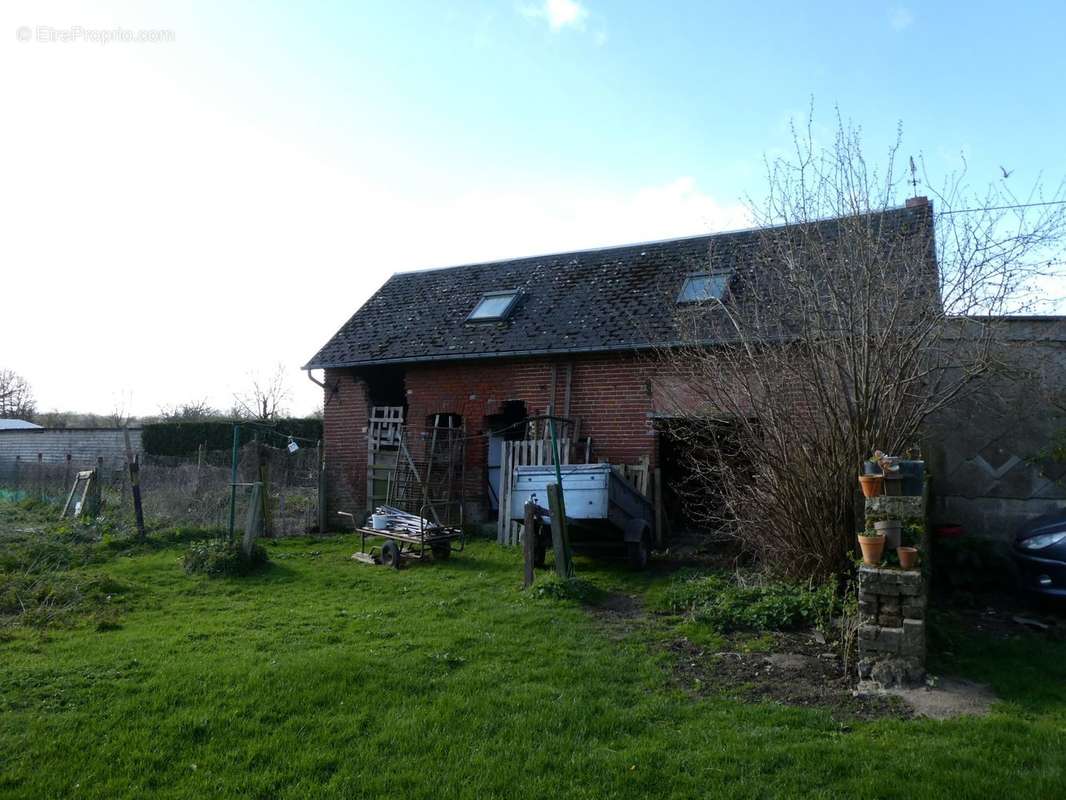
(494, 305)
(703, 286)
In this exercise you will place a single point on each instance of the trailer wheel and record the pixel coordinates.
(390, 555)
(637, 553)
(441, 552)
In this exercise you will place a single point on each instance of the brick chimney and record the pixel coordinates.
(917, 202)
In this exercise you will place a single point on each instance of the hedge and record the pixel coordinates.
(184, 438)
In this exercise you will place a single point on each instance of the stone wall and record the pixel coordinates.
(892, 604)
(988, 473)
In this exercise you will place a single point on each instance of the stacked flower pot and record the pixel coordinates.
(892, 584)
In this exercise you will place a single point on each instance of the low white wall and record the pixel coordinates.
(53, 445)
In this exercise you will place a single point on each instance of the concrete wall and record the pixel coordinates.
(54, 445)
(987, 473)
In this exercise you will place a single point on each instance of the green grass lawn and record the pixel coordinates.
(322, 677)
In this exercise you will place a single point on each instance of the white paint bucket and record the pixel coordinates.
(379, 521)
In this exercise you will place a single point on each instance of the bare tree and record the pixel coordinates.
(16, 396)
(266, 397)
(856, 322)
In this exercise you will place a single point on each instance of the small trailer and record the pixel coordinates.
(603, 510)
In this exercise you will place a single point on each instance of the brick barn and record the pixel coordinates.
(483, 348)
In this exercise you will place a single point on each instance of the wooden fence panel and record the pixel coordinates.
(528, 452)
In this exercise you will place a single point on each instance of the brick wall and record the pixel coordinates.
(344, 428)
(611, 395)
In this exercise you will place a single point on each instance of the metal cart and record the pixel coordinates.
(407, 536)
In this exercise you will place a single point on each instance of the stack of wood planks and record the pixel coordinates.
(401, 520)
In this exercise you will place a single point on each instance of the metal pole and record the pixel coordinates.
(555, 453)
(564, 562)
(233, 478)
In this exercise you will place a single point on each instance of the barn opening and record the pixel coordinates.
(693, 457)
(506, 426)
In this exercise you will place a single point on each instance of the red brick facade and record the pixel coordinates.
(611, 395)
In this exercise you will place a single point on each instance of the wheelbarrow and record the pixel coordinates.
(406, 536)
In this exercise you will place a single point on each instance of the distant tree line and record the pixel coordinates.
(263, 400)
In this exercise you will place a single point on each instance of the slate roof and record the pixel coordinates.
(615, 298)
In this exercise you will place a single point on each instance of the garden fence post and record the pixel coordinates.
(528, 537)
(253, 521)
(321, 488)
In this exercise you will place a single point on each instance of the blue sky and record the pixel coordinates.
(237, 191)
(631, 93)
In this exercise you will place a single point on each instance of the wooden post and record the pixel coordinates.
(501, 495)
(321, 489)
(91, 499)
(528, 543)
(40, 476)
(133, 463)
(253, 521)
(200, 453)
(564, 563)
(659, 507)
(264, 493)
(135, 489)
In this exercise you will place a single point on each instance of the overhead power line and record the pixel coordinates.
(1004, 208)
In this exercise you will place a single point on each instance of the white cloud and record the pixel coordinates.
(901, 18)
(559, 14)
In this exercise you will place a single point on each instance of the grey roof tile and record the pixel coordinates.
(613, 298)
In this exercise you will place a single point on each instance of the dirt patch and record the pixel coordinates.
(617, 605)
(949, 698)
(619, 614)
(796, 670)
(803, 670)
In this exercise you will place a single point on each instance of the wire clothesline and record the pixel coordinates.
(276, 432)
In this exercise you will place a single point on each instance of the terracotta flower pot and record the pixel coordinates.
(873, 547)
(908, 557)
(871, 485)
(892, 529)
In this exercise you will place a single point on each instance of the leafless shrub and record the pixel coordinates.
(854, 323)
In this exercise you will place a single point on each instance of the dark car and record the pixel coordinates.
(1040, 553)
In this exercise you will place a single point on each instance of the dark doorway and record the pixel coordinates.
(385, 385)
(693, 456)
(507, 426)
